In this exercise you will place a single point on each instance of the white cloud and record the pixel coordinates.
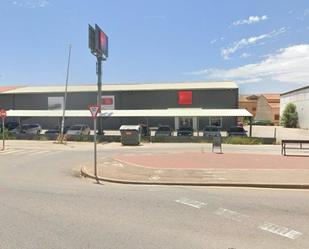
(31, 3)
(288, 65)
(245, 55)
(213, 41)
(245, 42)
(251, 20)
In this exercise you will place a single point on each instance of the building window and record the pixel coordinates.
(276, 116)
(185, 97)
(215, 121)
(55, 103)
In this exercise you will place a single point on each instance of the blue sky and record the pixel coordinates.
(262, 45)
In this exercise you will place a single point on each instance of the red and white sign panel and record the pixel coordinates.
(94, 109)
(108, 102)
(2, 113)
(185, 97)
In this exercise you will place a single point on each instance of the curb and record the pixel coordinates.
(84, 173)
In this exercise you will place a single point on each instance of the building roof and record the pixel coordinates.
(124, 87)
(296, 90)
(248, 98)
(7, 88)
(272, 97)
(172, 112)
(274, 105)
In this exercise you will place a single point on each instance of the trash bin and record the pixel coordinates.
(130, 134)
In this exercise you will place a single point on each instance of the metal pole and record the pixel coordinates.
(250, 132)
(99, 73)
(95, 148)
(3, 144)
(65, 93)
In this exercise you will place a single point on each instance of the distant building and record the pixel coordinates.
(248, 102)
(299, 97)
(268, 108)
(220, 97)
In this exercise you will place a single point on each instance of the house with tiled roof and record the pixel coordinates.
(268, 108)
(248, 102)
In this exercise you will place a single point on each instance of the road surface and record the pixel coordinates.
(45, 204)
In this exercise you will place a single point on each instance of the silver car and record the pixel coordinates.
(27, 129)
(79, 130)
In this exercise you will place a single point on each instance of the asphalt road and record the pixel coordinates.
(45, 204)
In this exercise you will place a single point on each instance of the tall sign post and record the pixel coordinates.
(98, 44)
(94, 109)
(3, 116)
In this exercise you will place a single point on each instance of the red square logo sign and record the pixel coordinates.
(185, 97)
(107, 101)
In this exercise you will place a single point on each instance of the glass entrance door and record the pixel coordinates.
(185, 122)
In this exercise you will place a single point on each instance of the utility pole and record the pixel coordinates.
(99, 97)
(65, 95)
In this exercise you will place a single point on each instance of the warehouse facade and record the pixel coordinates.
(204, 95)
(299, 97)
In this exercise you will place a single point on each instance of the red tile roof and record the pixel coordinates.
(7, 88)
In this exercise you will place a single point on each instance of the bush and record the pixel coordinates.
(241, 140)
(289, 117)
(262, 122)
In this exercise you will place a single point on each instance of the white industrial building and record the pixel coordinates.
(299, 97)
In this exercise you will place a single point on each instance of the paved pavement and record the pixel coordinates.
(44, 203)
(240, 166)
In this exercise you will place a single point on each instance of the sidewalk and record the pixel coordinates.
(205, 169)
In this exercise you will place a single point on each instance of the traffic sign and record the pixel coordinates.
(94, 109)
(2, 113)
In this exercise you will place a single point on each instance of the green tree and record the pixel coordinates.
(289, 117)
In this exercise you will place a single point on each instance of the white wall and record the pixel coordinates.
(301, 100)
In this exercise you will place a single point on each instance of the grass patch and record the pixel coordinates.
(241, 140)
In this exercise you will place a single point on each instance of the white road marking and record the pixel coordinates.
(117, 164)
(35, 152)
(155, 178)
(230, 214)
(191, 203)
(221, 178)
(28, 152)
(6, 152)
(280, 230)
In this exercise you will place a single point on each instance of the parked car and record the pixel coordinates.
(211, 131)
(79, 130)
(11, 125)
(163, 131)
(57, 130)
(237, 131)
(262, 122)
(27, 129)
(185, 131)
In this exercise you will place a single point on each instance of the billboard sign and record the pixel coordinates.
(108, 102)
(98, 42)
